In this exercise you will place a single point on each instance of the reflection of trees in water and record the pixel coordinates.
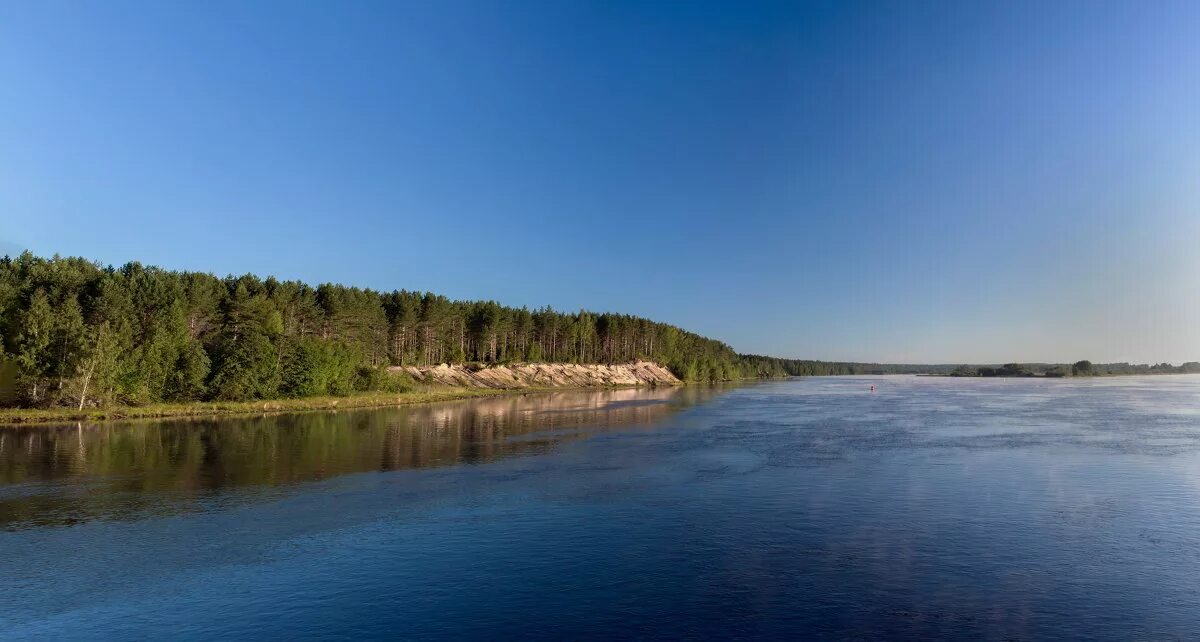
(106, 469)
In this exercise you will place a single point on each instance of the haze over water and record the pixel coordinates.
(809, 507)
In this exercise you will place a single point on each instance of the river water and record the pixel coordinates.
(806, 508)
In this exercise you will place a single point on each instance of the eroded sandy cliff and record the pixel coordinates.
(544, 375)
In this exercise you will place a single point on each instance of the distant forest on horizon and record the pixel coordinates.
(79, 333)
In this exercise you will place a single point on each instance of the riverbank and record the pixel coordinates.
(21, 416)
(438, 383)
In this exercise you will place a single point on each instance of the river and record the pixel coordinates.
(803, 508)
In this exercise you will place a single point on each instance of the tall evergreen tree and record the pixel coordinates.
(34, 350)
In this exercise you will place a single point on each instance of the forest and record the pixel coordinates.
(76, 333)
(1083, 368)
(79, 334)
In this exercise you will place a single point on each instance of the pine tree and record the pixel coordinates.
(70, 336)
(34, 355)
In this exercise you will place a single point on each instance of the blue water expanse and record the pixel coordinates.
(806, 508)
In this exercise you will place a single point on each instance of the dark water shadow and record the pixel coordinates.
(68, 475)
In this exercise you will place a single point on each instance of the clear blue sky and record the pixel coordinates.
(902, 181)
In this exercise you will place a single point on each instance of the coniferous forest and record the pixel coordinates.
(80, 334)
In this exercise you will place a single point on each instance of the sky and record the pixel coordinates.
(901, 181)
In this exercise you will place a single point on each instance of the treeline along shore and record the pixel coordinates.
(78, 335)
(1082, 368)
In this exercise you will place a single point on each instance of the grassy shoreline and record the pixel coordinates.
(26, 416)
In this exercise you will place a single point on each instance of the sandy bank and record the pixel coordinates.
(544, 375)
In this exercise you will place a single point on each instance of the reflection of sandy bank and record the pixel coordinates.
(542, 409)
(483, 429)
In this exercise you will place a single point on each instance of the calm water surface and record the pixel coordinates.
(1001, 509)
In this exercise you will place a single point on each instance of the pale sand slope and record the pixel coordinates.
(544, 375)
